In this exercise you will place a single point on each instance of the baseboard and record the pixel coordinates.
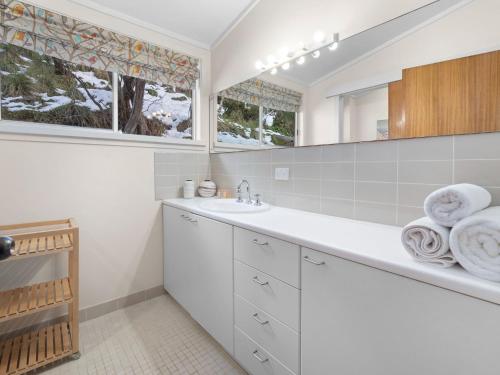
(89, 312)
(119, 303)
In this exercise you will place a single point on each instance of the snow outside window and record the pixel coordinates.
(243, 123)
(42, 89)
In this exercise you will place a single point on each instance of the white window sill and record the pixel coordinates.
(73, 134)
(225, 147)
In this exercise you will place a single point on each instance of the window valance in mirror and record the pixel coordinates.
(78, 42)
(262, 93)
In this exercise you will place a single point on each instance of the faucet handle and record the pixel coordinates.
(238, 195)
(258, 202)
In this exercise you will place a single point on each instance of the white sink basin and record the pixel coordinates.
(231, 206)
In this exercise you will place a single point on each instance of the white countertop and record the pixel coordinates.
(372, 244)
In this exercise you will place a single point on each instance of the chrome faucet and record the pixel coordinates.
(238, 191)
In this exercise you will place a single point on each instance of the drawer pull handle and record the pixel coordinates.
(185, 217)
(256, 280)
(259, 320)
(259, 358)
(315, 262)
(256, 241)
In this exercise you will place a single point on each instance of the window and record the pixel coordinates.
(43, 89)
(39, 88)
(278, 127)
(151, 108)
(243, 123)
(237, 122)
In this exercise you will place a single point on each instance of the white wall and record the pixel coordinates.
(92, 16)
(469, 30)
(109, 189)
(108, 186)
(273, 24)
(365, 110)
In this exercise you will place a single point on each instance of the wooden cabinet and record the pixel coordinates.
(198, 270)
(361, 320)
(458, 96)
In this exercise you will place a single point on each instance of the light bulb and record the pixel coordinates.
(285, 66)
(259, 65)
(302, 47)
(283, 52)
(271, 59)
(316, 54)
(319, 37)
(274, 71)
(301, 60)
(335, 43)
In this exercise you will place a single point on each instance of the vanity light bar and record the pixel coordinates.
(285, 56)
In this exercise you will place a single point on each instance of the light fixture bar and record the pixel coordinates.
(298, 55)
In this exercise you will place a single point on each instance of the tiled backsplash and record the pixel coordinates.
(171, 169)
(384, 182)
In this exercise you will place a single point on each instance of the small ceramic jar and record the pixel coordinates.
(188, 189)
(207, 189)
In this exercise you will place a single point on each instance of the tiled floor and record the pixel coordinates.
(152, 337)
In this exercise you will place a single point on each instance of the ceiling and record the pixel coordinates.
(360, 44)
(200, 23)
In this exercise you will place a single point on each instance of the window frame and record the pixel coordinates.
(112, 134)
(220, 146)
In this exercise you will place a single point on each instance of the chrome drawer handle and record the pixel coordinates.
(185, 217)
(256, 280)
(256, 241)
(307, 259)
(259, 358)
(259, 320)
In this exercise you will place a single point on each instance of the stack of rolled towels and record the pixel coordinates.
(459, 227)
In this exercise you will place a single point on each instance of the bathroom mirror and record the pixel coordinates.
(374, 85)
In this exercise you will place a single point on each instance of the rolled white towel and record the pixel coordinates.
(428, 242)
(475, 243)
(448, 205)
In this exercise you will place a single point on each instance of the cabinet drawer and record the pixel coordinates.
(269, 294)
(278, 258)
(254, 358)
(275, 337)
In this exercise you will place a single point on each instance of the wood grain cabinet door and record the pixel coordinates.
(459, 96)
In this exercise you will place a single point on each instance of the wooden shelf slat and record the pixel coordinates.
(43, 245)
(34, 298)
(40, 347)
(43, 238)
(35, 349)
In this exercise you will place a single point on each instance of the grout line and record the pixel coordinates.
(397, 181)
(355, 177)
(453, 159)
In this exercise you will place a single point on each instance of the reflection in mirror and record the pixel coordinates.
(367, 88)
(364, 115)
(257, 113)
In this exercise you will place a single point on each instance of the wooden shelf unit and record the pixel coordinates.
(34, 349)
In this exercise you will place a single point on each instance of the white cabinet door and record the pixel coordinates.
(179, 258)
(199, 270)
(360, 320)
(213, 244)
